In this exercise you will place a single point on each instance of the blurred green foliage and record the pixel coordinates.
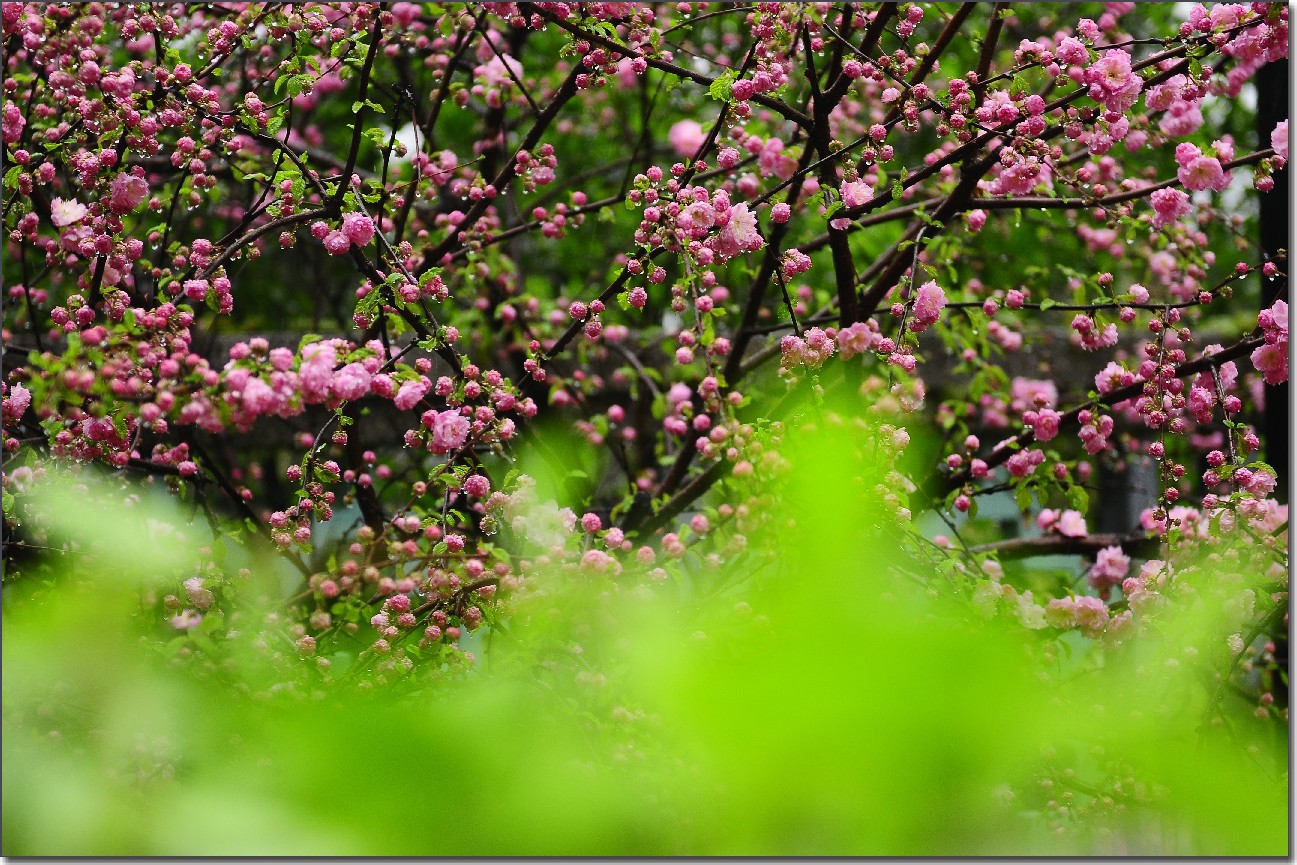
(833, 703)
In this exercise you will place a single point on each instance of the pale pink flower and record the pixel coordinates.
(185, 620)
(12, 123)
(66, 212)
(1272, 362)
(1110, 566)
(856, 193)
(17, 402)
(496, 73)
(686, 137)
(1279, 140)
(739, 235)
(773, 160)
(336, 242)
(1091, 615)
(126, 192)
(1072, 524)
(855, 339)
(1203, 172)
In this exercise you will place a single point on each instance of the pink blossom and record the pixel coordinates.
(1279, 140)
(406, 13)
(12, 121)
(336, 242)
(1091, 615)
(1272, 362)
(449, 431)
(1203, 172)
(65, 212)
(794, 261)
(1113, 82)
(1168, 206)
(1073, 52)
(358, 227)
(1044, 423)
(773, 160)
(126, 193)
(1110, 566)
(1068, 523)
(351, 382)
(928, 304)
(856, 193)
(686, 137)
(855, 339)
(496, 70)
(1024, 463)
(259, 398)
(411, 392)
(1072, 524)
(185, 620)
(695, 219)
(739, 235)
(1274, 321)
(17, 402)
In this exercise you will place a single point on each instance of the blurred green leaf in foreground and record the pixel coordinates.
(830, 694)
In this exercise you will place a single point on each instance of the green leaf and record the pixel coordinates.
(723, 87)
(1047, 303)
(1023, 497)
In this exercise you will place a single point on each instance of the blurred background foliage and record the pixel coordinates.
(822, 703)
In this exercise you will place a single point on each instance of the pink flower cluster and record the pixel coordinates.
(859, 338)
(357, 228)
(810, 350)
(1271, 359)
(1198, 171)
(1091, 336)
(1068, 523)
(1024, 462)
(1044, 423)
(1110, 567)
(1086, 613)
(1114, 84)
(1095, 431)
(738, 234)
(126, 192)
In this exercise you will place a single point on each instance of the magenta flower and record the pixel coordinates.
(336, 242)
(358, 228)
(1168, 206)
